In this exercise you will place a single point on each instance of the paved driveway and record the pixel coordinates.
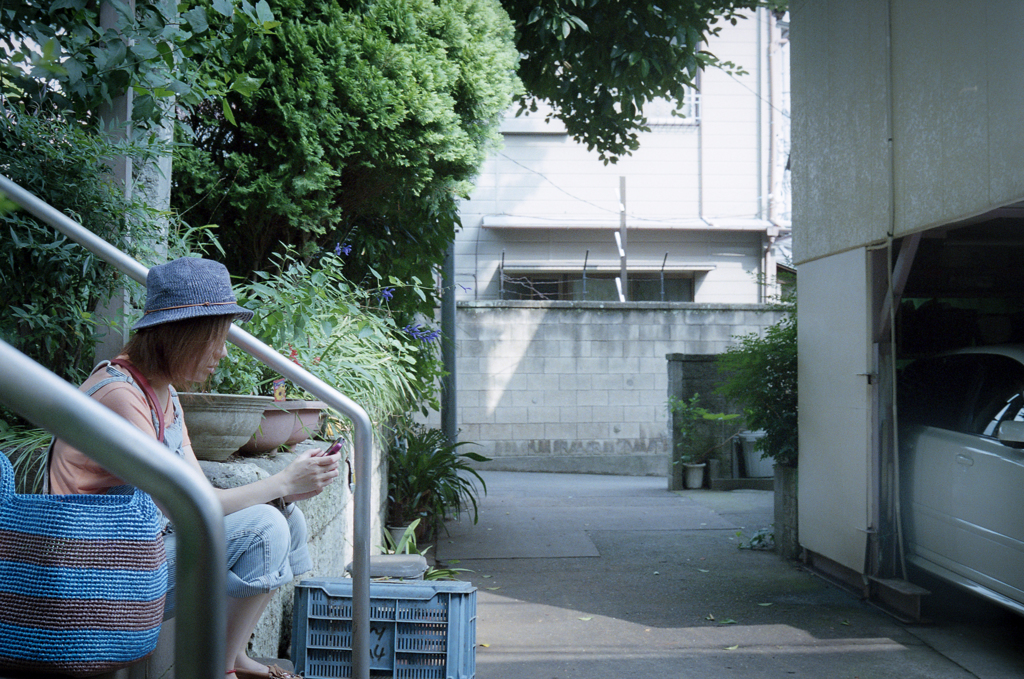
(605, 576)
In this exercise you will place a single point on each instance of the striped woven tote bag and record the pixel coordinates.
(82, 580)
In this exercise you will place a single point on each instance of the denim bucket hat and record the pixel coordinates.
(188, 288)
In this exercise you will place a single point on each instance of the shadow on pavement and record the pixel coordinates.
(600, 576)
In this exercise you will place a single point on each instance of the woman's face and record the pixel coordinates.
(208, 362)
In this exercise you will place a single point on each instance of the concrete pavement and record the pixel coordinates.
(611, 576)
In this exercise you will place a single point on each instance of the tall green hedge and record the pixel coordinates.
(51, 284)
(371, 121)
(761, 376)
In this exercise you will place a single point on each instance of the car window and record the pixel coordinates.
(1001, 396)
(940, 392)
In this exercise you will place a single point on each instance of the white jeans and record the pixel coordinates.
(265, 549)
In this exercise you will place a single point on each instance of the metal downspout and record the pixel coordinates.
(761, 186)
(449, 393)
(363, 444)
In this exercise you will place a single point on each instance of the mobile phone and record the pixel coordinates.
(333, 448)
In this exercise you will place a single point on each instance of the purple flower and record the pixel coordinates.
(387, 294)
(342, 249)
(422, 333)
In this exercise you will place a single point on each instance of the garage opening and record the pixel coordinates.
(965, 287)
(950, 501)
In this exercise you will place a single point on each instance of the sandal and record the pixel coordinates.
(273, 672)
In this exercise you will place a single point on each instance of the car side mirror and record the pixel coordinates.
(1011, 433)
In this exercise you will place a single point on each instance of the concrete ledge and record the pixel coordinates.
(620, 465)
(611, 306)
(767, 483)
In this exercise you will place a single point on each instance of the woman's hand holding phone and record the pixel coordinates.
(332, 449)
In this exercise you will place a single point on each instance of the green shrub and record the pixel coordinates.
(51, 284)
(761, 375)
(429, 478)
(371, 120)
(26, 449)
(341, 333)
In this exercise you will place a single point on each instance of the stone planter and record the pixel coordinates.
(219, 424)
(285, 423)
(755, 466)
(694, 475)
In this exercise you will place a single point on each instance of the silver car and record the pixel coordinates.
(962, 469)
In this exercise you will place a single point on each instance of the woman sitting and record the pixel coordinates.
(179, 341)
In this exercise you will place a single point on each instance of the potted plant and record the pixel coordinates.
(405, 543)
(285, 423)
(335, 330)
(220, 424)
(429, 478)
(698, 436)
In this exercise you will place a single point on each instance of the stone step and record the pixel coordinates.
(899, 598)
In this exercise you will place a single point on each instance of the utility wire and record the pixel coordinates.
(633, 216)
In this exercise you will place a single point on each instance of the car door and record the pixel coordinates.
(935, 400)
(988, 483)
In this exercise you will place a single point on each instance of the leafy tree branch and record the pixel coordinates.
(598, 62)
(59, 56)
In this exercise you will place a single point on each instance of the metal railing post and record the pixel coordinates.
(363, 458)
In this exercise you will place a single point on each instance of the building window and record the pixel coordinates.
(597, 287)
(663, 114)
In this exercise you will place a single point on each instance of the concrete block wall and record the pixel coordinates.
(581, 387)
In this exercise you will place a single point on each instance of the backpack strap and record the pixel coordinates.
(147, 390)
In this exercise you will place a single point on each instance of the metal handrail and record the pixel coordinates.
(362, 443)
(41, 397)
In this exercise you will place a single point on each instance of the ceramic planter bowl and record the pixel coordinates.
(220, 424)
(285, 423)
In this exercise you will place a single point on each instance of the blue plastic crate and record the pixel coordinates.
(418, 629)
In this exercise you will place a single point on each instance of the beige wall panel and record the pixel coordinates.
(1005, 73)
(958, 90)
(841, 167)
(940, 112)
(956, 82)
(834, 352)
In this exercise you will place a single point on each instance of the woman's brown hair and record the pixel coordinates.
(173, 350)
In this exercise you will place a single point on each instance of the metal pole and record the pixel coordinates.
(501, 277)
(622, 259)
(585, 258)
(449, 395)
(663, 277)
(116, 117)
(622, 237)
(363, 431)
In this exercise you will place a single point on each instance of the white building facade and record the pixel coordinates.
(548, 376)
(705, 196)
